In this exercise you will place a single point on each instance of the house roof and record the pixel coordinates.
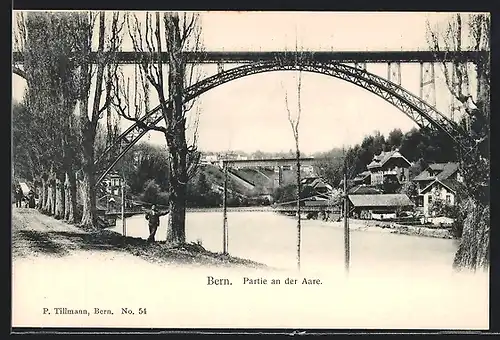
(382, 200)
(423, 176)
(451, 184)
(437, 166)
(308, 180)
(446, 170)
(380, 159)
(315, 182)
(320, 203)
(362, 176)
(349, 182)
(364, 190)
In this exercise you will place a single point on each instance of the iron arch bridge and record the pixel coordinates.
(414, 107)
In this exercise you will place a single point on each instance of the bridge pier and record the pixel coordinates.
(279, 180)
(428, 83)
(394, 72)
(220, 67)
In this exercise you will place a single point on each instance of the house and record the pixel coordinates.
(437, 181)
(112, 183)
(308, 170)
(318, 186)
(389, 164)
(383, 206)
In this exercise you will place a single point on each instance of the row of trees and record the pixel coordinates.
(74, 81)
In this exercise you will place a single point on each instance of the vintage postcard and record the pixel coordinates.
(250, 170)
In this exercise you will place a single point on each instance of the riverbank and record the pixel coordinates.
(391, 227)
(35, 234)
(396, 228)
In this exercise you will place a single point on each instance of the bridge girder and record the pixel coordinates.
(415, 108)
(130, 57)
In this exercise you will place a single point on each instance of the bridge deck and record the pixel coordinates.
(131, 57)
(269, 161)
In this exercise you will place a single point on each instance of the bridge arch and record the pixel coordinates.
(16, 70)
(414, 107)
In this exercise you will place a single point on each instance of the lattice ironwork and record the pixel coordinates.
(360, 65)
(428, 83)
(394, 72)
(415, 108)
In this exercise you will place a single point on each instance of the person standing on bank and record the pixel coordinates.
(153, 217)
(19, 197)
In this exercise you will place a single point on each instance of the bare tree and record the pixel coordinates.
(174, 34)
(108, 44)
(473, 251)
(294, 121)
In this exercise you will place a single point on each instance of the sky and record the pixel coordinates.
(249, 114)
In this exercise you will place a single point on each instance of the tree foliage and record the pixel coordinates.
(419, 146)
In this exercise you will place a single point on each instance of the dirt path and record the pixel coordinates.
(35, 234)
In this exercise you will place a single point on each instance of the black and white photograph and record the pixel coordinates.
(250, 170)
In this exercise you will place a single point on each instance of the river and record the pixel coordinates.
(271, 239)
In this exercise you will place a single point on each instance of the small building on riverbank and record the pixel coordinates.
(439, 181)
(382, 206)
(389, 164)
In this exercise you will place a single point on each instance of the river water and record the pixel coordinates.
(271, 239)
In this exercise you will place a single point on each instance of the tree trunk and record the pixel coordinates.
(297, 155)
(45, 206)
(473, 252)
(40, 191)
(54, 195)
(49, 202)
(60, 197)
(89, 218)
(176, 229)
(42, 194)
(66, 196)
(70, 194)
(175, 135)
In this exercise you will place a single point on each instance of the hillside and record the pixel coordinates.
(215, 176)
(248, 181)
